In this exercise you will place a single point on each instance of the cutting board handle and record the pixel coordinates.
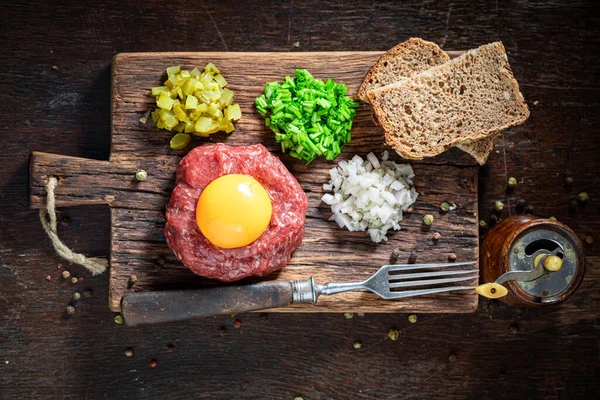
(81, 181)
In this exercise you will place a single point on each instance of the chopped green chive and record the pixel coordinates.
(309, 117)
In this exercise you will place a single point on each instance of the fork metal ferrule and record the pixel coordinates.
(304, 291)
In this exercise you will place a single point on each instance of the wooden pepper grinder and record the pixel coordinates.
(531, 261)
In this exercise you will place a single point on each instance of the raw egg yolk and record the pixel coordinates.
(233, 211)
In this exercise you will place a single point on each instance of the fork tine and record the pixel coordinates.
(428, 274)
(422, 292)
(427, 282)
(411, 267)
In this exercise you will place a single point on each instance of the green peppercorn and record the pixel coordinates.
(552, 218)
(76, 296)
(482, 224)
(348, 315)
(498, 205)
(393, 334)
(140, 175)
(70, 310)
(512, 182)
(118, 319)
(583, 197)
(412, 318)
(357, 345)
(445, 207)
(428, 219)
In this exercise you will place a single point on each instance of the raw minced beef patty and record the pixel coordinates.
(269, 252)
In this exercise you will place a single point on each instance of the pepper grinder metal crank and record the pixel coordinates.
(525, 260)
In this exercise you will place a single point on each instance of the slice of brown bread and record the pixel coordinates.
(412, 56)
(467, 98)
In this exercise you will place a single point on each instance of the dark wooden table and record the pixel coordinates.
(497, 352)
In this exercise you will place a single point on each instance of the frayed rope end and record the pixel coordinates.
(96, 265)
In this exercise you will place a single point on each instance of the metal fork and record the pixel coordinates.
(389, 282)
(391, 277)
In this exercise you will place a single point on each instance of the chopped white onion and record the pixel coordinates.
(370, 195)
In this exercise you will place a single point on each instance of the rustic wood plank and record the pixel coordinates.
(329, 254)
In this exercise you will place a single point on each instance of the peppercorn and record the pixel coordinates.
(445, 207)
(153, 363)
(360, 314)
(298, 397)
(589, 240)
(412, 318)
(395, 255)
(393, 334)
(437, 236)
(452, 257)
(48, 278)
(410, 209)
(223, 330)
(140, 175)
(118, 319)
(493, 219)
(74, 279)
(512, 182)
(132, 279)
(568, 181)
(357, 345)
(428, 219)
(583, 197)
(482, 224)
(76, 296)
(70, 310)
(521, 203)
(552, 218)
(498, 205)
(66, 274)
(59, 266)
(529, 209)
(87, 293)
(413, 257)
(513, 329)
(170, 347)
(237, 323)
(129, 352)
(348, 315)
(452, 357)
(572, 206)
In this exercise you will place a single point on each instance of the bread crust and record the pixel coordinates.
(379, 69)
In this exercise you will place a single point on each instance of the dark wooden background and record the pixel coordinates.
(498, 352)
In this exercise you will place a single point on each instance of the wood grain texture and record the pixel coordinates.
(497, 352)
(327, 253)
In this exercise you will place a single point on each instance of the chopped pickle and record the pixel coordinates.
(195, 101)
(164, 101)
(156, 91)
(213, 108)
(180, 127)
(191, 103)
(180, 141)
(233, 112)
(173, 70)
(220, 80)
(203, 124)
(180, 113)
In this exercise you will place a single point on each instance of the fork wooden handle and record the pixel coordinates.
(165, 306)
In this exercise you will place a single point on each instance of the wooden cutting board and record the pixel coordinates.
(328, 253)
